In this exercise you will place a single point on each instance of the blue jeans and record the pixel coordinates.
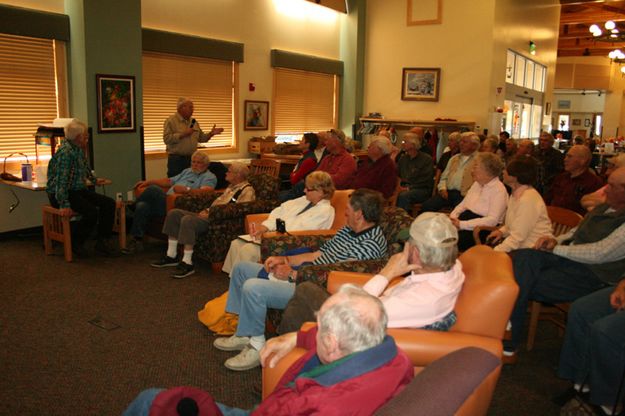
(150, 204)
(140, 406)
(249, 297)
(594, 346)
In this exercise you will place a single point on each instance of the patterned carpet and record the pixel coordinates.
(144, 333)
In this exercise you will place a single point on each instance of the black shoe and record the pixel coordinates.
(105, 247)
(133, 246)
(183, 270)
(165, 261)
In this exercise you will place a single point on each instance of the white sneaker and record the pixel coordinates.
(232, 343)
(246, 360)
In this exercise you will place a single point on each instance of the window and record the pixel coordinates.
(304, 101)
(209, 83)
(524, 72)
(28, 90)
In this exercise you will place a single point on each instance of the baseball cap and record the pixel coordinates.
(434, 229)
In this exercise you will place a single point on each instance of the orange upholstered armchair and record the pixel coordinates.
(483, 309)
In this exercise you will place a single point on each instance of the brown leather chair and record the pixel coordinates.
(483, 309)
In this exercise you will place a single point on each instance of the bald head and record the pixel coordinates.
(577, 160)
(418, 131)
(615, 191)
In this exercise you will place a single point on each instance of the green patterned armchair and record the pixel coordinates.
(393, 221)
(228, 220)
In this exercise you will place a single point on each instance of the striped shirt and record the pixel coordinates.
(348, 245)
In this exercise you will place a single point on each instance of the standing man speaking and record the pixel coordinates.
(181, 134)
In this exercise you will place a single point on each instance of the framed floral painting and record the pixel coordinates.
(116, 103)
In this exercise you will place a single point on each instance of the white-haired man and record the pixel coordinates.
(378, 172)
(152, 203)
(69, 177)
(424, 299)
(456, 179)
(183, 227)
(181, 134)
(416, 173)
(351, 367)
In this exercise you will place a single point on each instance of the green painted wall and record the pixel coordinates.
(106, 39)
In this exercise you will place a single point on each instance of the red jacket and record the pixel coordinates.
(356, 386)
(380, 176)
(341, 168)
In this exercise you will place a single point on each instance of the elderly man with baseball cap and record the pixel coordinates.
(424, 299)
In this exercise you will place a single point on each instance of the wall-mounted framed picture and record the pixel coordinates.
(586, 122)
(256, 115)
(576, 122)
(564, 104)
(547, 108)
(424, 12)
(420, 84)
(116, 103)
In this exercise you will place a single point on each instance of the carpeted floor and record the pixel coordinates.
(57, 359)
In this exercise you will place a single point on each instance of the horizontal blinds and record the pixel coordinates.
(304, 101)
(27, 91)
(208, 83)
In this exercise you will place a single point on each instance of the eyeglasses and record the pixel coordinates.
(307, 189)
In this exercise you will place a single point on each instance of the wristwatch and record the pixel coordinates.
(292, 276)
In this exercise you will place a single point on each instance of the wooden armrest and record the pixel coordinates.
(476, 232)
(254, 218)
(271, 234)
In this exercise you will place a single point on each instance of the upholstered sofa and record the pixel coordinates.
(228, 221)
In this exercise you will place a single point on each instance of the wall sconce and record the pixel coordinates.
(532, 48)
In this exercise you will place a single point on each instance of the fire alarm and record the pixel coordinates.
(252, 86)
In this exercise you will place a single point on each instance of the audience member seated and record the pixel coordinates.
(584, 260)
(339, 163)
(525, 147)
(424, 299)
(526, 217)
(456, 179)
(485, 203)
(182, 227)
(489, 145)
(249, 295)
(69, 177)
(351, 367)
(321, 151)
(153, 199)
(551, 162)
(576, 181)
(452, 149)
(378, 172)
(511, 149)
(310, 212)
(503, 139)
(592, 355)
(590, 201)
(308, 162)
(416, 173)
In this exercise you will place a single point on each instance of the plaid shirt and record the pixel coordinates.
(68, 171)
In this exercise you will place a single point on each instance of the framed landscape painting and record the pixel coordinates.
(420, 84)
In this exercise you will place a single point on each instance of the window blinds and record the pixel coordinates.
(28, 91)
(208, 83)
(304, 101)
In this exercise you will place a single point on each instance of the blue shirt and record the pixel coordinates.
(193, 180)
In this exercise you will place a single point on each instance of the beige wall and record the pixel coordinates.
(54, 6)
(468, 47)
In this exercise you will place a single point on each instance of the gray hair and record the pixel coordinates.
(368, 201)
(182, 101)
(471, 136)
(240, 169)
(383, 143)
(203, 156)
(455, 136)
(74, 129)
(491, 162)
(413, 139)
(358, 322)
